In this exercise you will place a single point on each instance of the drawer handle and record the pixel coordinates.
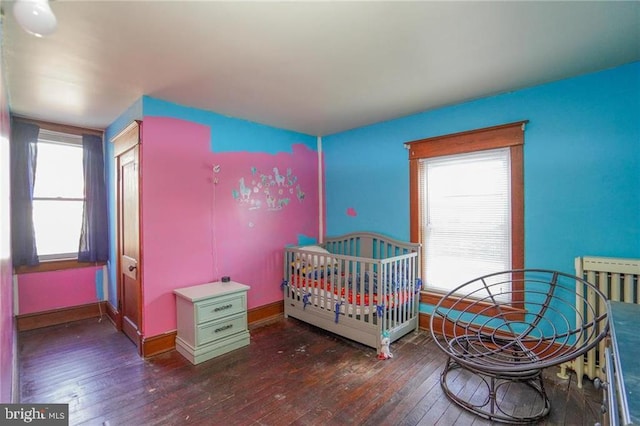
(222, 308)
(226, 327)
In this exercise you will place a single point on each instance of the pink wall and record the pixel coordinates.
(7, 335)
(199, 225)
(45, 291)
(176, 202)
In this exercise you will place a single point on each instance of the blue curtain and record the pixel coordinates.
(24, 152)
(94, 237)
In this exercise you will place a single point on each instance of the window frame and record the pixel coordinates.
(503, 136)
(47, 265)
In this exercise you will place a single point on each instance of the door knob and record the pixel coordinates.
(131, 268)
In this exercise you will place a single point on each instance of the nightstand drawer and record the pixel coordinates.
(220, 329)
(214, 309)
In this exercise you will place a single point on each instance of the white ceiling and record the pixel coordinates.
(317, 68)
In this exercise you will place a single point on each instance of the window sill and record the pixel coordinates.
(514, 311)
(55, 265)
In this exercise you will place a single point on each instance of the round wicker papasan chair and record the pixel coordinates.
(496, 353)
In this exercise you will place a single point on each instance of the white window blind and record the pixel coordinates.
(466, 218)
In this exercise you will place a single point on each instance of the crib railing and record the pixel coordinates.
(618, 279)
(382, 292)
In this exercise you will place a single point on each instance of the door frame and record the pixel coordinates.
(127, 139)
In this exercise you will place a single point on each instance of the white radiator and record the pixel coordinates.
(618, 279)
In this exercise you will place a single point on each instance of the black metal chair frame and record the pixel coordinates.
(476, 326)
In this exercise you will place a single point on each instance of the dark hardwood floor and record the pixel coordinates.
(291, 373)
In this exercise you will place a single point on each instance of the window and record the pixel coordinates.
(58, 195)
(467, 206)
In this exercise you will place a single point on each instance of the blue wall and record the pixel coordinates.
(581, 161)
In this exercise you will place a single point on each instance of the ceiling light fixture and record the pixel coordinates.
(35, 16)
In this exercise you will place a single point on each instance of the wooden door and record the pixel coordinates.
(127, 152)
